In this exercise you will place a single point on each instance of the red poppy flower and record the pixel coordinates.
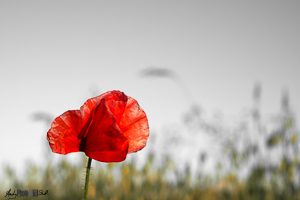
(106, 128)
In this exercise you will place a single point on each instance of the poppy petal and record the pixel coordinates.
(63, 134)
(134, 125)
(104, 140)
(116, 101)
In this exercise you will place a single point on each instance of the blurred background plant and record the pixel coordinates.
(257, 158)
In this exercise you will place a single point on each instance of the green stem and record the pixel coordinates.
(87, 177)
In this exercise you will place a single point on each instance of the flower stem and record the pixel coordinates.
(87, 177)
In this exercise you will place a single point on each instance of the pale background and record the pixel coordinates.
(56, 54)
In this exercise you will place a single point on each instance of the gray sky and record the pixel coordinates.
(53, 54)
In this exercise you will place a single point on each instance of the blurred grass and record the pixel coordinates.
(126, 181)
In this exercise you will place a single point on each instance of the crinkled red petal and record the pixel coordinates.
(63, 136)
(134, 125)
(104, 140)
